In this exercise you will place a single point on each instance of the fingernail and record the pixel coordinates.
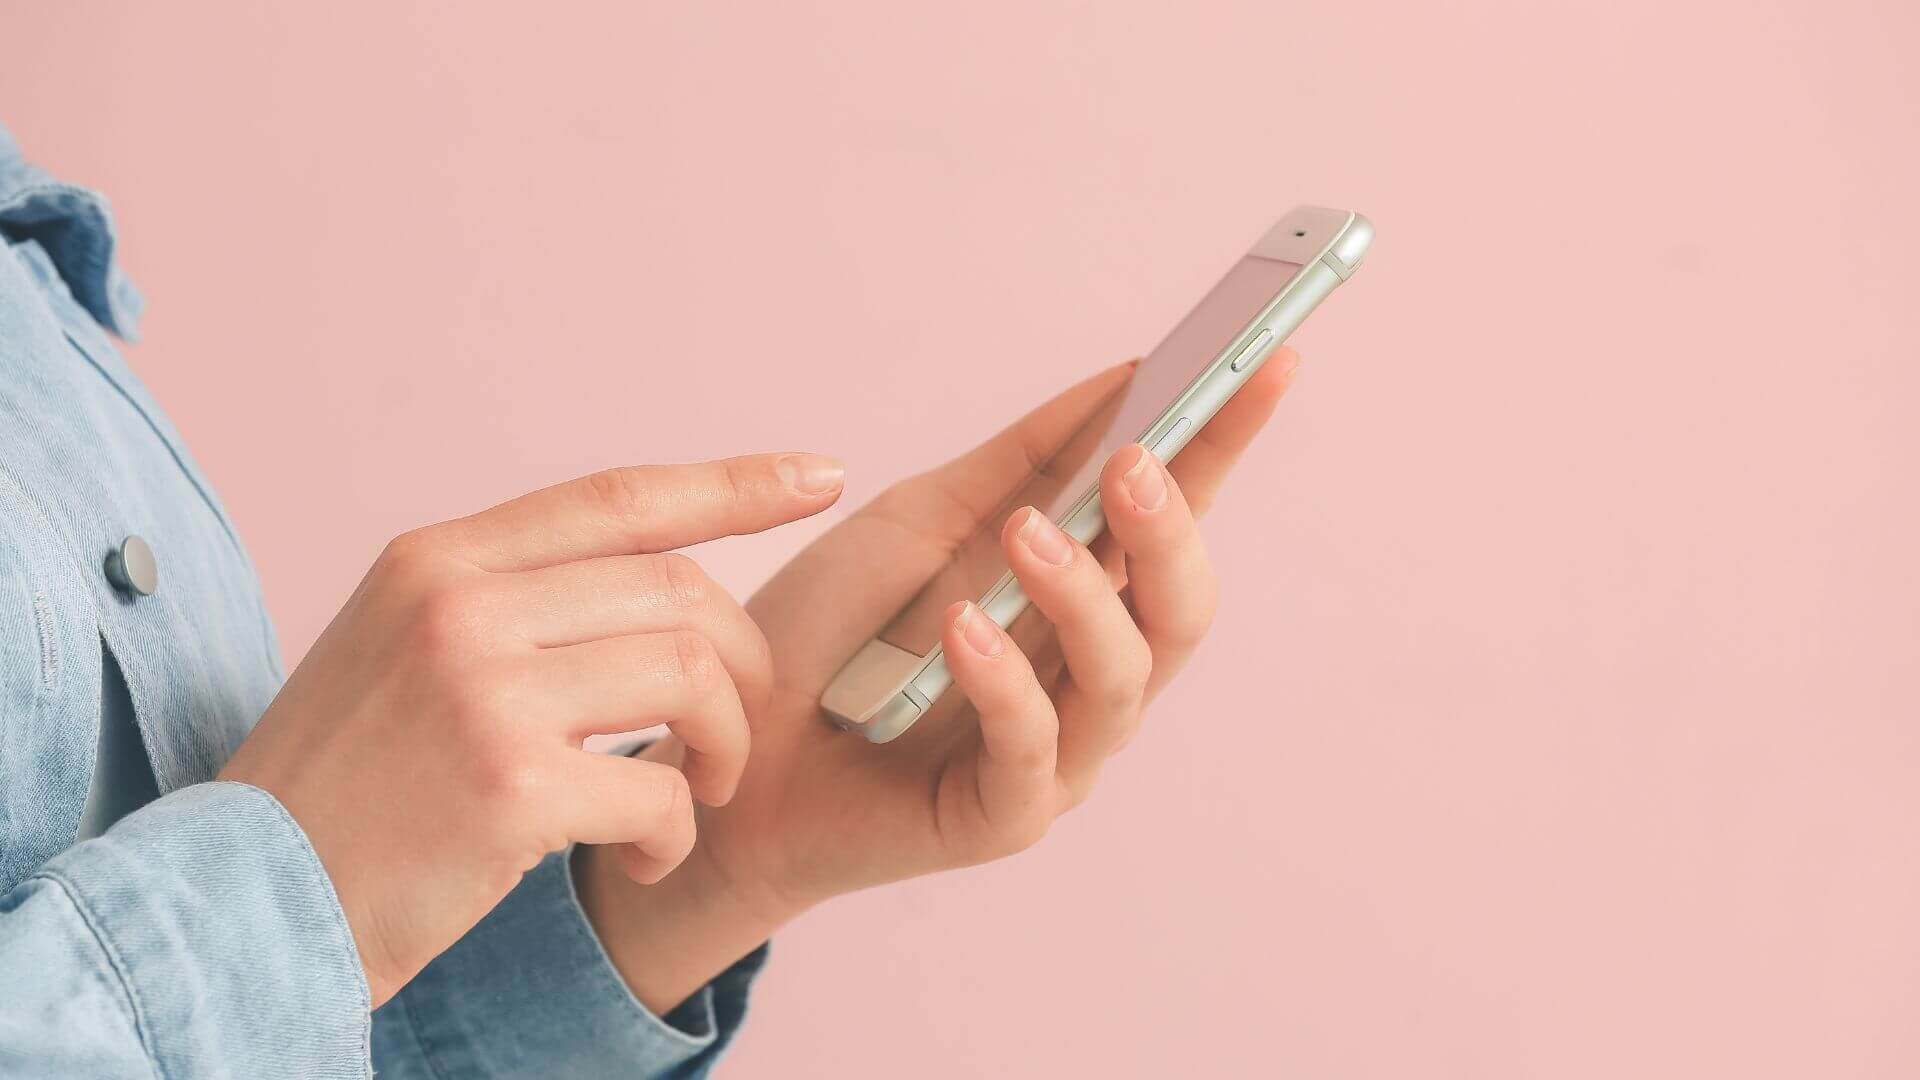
(810, 474)
(981, 635)
(1045, 539)
(1146, 482)
(1286, 361)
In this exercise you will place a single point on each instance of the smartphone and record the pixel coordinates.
(897, 676)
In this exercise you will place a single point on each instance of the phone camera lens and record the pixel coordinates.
(1299, 232)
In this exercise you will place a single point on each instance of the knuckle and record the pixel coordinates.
(1074, 794)
(1124, 682)
(407, 547)
(406, 560)
(1025, 831)
(1140, 671)
(1186, 634)
(506, 781)
(735, 485)
(762, 659)
(750, 670)
(1178, 636)
(1031, 756)
(696, 663)
(1190, 636)
(1011, 832)
(446, 619)
(672, 802)
(685, 584)
(1204, 588)
(622, 492)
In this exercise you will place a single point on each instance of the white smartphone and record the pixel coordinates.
(896, 677)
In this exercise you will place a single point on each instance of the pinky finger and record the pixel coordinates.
(1019, 732)
(642, 806)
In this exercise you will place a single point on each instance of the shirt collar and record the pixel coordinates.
(75, 228)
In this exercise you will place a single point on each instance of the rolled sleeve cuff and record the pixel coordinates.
(531, 991)
(220, 922)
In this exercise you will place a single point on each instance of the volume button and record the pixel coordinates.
(1173, 434)
(1252, 350)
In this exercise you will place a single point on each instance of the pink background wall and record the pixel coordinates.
(1562, 715)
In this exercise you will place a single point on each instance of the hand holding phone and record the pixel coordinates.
(986, 772)
(895, 678)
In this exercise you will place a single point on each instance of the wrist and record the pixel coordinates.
(669, 939)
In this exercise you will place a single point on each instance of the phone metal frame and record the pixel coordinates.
(883, 689)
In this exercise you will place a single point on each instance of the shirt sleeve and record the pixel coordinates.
(530, 991)
(199, 936)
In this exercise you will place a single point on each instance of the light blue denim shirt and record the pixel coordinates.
(198, 935)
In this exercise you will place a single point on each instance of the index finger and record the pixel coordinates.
(1203, 466)
(955, 499)
(645, 508)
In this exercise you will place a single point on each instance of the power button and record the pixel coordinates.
(1252, 351)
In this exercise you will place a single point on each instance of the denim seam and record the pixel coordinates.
(121, 974)
(267, 642)
(334, 909)
(172, 450)
(180, 462)
(28, 500)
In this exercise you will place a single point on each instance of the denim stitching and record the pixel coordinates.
(335, 909)
(180, 461)
(113, 958)
(49, 645)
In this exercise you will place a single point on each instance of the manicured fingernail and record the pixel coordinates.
(979, 632)
(810, 474)
(1045, 539)
(1146, 482)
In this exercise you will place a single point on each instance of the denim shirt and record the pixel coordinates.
(199, 935)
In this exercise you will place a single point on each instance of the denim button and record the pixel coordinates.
(132, 569)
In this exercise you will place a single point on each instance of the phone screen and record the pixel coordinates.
(1056, 487)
